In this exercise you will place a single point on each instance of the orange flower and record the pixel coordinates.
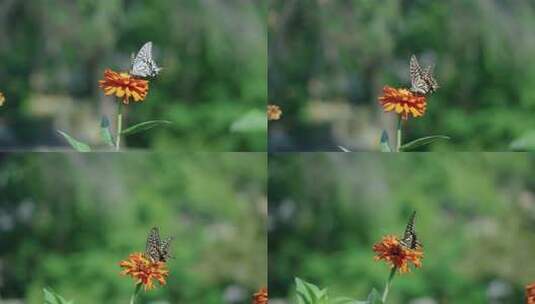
(124, 86)
(274, 112)
(2, 99)
(261, 297)
(397, 255)
(144, 270)
(530, 294)
(403, 102)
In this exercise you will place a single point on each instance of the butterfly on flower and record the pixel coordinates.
(156, 249)
(143, 65)
(410, 240)
(422, 80)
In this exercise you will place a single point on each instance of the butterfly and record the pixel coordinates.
(410, 240)
(156, 249)
(422, 81)
(142, 64)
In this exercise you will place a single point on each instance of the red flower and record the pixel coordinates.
(124, 86)
(403, 102)
(397, 255)
(143, 270)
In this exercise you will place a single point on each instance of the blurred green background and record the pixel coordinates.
(213, 86)
(329, 60)
(67, 220)
(475, 217)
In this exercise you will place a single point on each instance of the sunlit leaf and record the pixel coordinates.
(525, 142)
(252, 121)
(308, 293)
(422, 142)
(344, 149)
(75, 144)
(53, 298)
(144, 126)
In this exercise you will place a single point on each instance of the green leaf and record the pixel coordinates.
(252, 121)
(346, 300)
(384, 145)
(374, 297)
(105, 132)
(53, 298)
(526, 142)
(144, 126)
(77, 145)
(308, 293)
(422, 142)
(344, 149)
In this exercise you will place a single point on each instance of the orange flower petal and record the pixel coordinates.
(403, 102)
(124, 86)
(396, 255)
(144, 271)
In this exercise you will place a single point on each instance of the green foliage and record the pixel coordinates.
(327, 211)
(420, 142)
(75, 144)
(53, 298)
(105, 132)
(308, 293)
(76, 216)
(326, 73)
(144, 126)
(213, 54)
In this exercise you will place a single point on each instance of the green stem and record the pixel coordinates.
(398, 137)
(388, 283)
(133, 298)
(119, 125)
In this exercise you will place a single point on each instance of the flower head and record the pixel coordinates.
(530, 294)
(2, 99)
(144, 270)
(261, 297)
(397, 255)
(274, 112)
(124, 86)
(403, 102)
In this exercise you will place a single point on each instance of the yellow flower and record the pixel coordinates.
(274, 112)
(261, 297)
(403, 102)
(143, 270)
(397, 255)
(124, 86)
(2, 99)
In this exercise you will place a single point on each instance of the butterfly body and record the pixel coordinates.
(156, 249)
(410, 240)
(422, 80)
(143, 65)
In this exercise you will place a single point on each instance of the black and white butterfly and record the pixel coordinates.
(422, 81)
(410, 240)
(142, 64)
(156, 249)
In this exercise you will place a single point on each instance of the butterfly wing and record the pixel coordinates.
(430, 79)
(152, 248)
(141, 64)
(164, 249)
(410, 240)
(418, 83)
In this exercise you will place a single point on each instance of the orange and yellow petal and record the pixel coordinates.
(396, 255)
(144, 270)
(124, 86)
(273, 112)
(261, 297)
(403, 102)
(530, 294)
